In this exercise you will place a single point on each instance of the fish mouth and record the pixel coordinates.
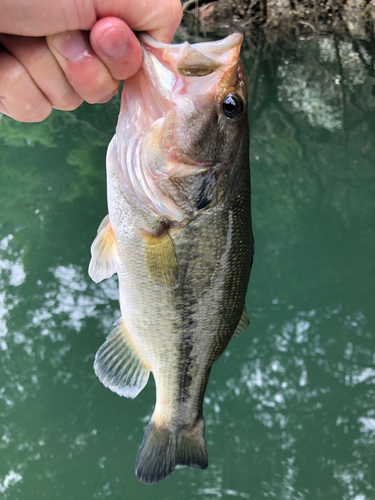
(218, 51)
(171, 77)
(185, 69)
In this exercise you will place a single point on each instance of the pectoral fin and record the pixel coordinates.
(160, 256)
(103, 262)
(119, 366)
(242, 324)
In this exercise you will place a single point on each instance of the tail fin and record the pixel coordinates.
(164, 448)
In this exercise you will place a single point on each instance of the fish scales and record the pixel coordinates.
(179, 237)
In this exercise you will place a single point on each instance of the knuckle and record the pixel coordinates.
(108, 97)
(100, 88)
(69, 102)
(43, 113)
(70, 106)
(33, 112)
(36, 52)
(20, 96)
(176, 7)
(32, 49)
(3, 109)
(35, 115)
(13, 74)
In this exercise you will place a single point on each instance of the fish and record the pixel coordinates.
(178, 234)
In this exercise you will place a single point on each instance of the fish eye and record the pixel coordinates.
(232, 106)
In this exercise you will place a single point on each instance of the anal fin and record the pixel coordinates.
(103, 262)
(119, 366)
(242, 324)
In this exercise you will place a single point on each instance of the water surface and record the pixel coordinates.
(289, 407)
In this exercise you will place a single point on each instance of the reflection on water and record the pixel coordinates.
(289, 408)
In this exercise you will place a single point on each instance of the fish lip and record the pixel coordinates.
(217, 46)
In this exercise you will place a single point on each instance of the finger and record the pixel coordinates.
(19, 96)
(159, 18)
(3, 109)
(35, 56)
(117, 46)
(88, 76)
(36, 18)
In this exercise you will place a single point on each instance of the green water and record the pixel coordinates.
(290, 406)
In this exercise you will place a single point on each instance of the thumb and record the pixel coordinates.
(116, 45)
(45, 17)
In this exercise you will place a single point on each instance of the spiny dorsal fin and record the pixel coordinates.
(103, 262)
(119, 366)
(160, 255)
(242, 324)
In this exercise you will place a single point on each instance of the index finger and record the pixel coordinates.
(43, 17)
(160, 18)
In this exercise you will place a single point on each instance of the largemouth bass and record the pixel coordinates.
(179, 237)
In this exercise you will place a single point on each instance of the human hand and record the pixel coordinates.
(49, 60)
